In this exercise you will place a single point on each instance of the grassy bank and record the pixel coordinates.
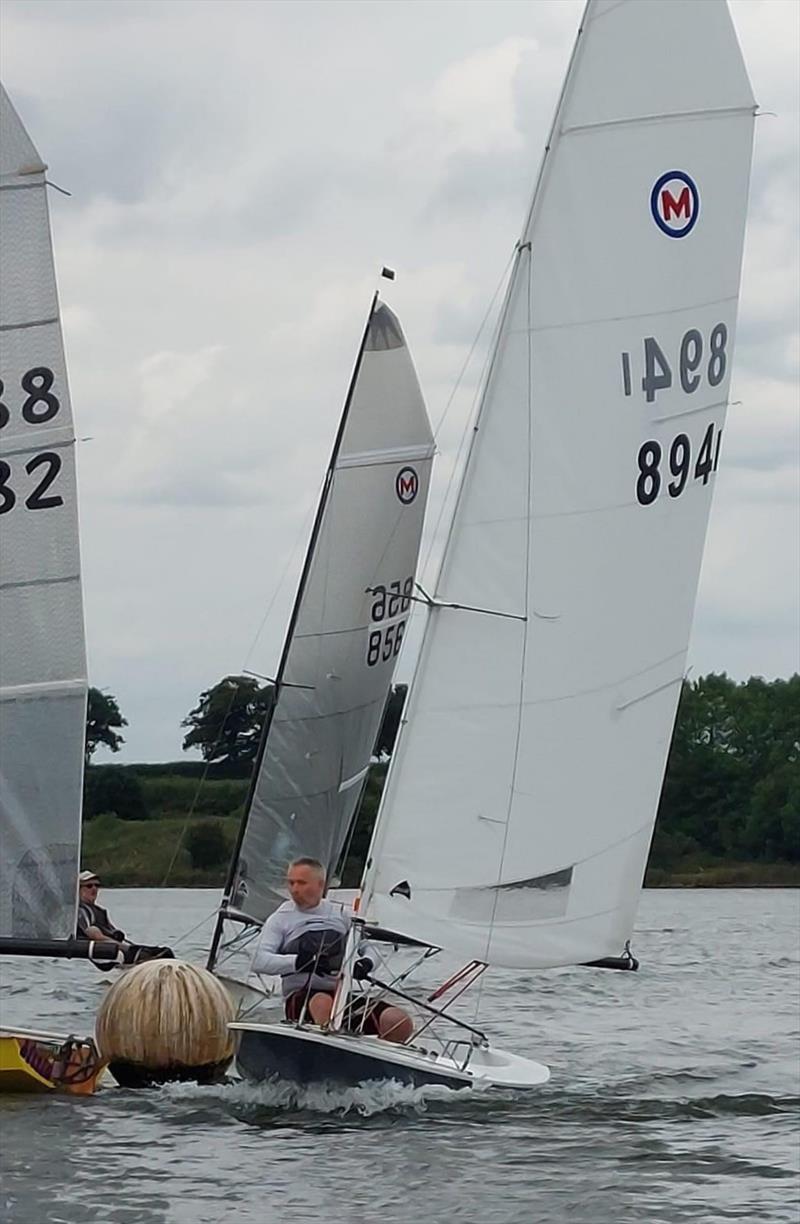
(176, 800)
(725, 875)
(149, 853)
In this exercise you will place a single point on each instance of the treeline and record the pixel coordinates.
(731, 793)
(732, 786)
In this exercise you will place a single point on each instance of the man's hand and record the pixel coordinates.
(362, 968)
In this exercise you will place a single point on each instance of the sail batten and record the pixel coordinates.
(534, 750)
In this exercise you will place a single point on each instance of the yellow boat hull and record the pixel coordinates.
(43, 1062)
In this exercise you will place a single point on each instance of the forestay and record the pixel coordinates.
(42, 652)
(352, 611)
(522, 796)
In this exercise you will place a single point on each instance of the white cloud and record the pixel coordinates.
(216, 260)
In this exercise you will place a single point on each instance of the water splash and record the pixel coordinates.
(365, 1100)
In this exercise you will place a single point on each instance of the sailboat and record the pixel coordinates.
(521, 798)
(43, 681)
(344, 637)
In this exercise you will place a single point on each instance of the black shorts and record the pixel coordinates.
(362, 1013)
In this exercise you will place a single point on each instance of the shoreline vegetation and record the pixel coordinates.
(729, 814)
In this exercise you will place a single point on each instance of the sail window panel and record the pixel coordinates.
(387, 409)
(597, 252)
(26, 263)
(41, 765)
(698, 64)
(527, 901)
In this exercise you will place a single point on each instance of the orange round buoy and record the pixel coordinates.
(165, 1020)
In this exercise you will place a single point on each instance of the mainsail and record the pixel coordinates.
(522, 795)
(350, 616)
(43, 682)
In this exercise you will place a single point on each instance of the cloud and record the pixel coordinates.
(240, 173)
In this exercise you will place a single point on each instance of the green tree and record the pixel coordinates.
(207, 845)
(102, 716)
(226, 723)
(732, 787)
(110, 788)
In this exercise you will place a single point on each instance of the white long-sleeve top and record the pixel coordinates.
(284, 927)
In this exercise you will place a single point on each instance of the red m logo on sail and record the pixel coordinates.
(682, 207)
(675, 203)
(406, 485)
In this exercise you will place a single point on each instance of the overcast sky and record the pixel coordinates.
(239, 173)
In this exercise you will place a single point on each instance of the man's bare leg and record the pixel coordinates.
(320, 1007)
(395, 1025)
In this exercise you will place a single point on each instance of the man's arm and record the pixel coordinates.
(93, 932)
(268, 959)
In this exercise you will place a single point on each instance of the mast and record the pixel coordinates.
(301, 587)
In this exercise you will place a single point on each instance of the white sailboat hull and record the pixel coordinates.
(308, 1055)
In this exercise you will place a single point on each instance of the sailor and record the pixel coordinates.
(303, 942)
(94, 923)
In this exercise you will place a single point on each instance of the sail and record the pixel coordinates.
(43, 682)
(523, 791)
(352, 612)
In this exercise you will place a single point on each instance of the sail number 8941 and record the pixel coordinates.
(679, 464)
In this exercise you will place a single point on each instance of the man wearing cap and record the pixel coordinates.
(93, 920)
(94, 923)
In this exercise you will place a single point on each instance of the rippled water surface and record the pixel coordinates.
(675, 1096)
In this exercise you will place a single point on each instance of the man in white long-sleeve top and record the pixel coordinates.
(303, 942)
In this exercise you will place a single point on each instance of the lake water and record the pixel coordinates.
(675, 1096)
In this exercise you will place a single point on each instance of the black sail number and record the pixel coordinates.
(384, 644)
(39, 404)
(39, 498)
(679, 460)
(45, 468)
(8, 498)
(694, 362)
